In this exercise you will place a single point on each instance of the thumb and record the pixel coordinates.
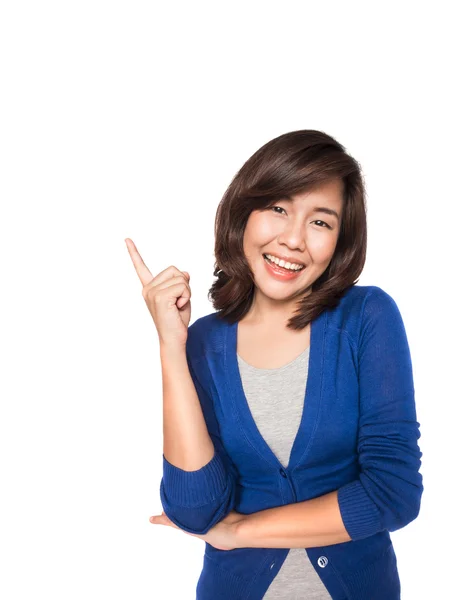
(159, 519)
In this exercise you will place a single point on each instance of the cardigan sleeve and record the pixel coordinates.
(197, 500)
(387, 493)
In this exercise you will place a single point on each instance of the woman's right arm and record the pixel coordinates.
(198, 485)
(187, 444)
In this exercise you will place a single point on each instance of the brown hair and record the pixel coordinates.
(292, 163)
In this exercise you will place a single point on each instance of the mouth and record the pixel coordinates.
(281, 273)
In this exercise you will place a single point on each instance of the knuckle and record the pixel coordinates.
(146, 291)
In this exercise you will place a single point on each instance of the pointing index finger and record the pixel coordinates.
(142, 270)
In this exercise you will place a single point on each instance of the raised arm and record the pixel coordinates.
(198, 484)
(197, 487)
(187, 444)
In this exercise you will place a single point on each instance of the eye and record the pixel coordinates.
(325, 224)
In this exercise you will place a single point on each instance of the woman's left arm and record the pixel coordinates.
(387, 493)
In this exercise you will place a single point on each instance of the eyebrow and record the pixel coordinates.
(323, 209)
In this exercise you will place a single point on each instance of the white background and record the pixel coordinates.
(129, 119)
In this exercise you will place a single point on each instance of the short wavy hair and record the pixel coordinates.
(292, 163)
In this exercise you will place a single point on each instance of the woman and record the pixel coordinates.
(290, 432)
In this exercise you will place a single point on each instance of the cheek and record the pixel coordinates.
(322, 248)
(259, 230)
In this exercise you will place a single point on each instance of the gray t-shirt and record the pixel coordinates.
(276, 401)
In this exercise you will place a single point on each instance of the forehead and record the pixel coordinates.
(327, 198)
(329, 193)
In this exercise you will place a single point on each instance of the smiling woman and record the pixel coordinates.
(290, 431)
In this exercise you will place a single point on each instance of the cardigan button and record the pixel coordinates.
(322, 561)
(272, 565)
(282, 472)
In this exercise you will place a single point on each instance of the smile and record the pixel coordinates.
(280, 273)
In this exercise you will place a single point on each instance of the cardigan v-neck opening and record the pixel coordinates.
(276, 369)
(312, 398)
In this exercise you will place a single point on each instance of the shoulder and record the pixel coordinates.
(362, 292)
(367, 297)
(362, 304)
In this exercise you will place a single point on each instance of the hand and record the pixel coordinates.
(222, 536)
(167, 296)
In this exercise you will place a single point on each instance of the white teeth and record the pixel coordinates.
(281, 263)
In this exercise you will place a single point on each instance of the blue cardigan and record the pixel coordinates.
(358, 435)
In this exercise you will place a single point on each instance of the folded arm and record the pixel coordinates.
(315, 522)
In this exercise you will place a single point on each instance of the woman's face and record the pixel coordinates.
(304, 229)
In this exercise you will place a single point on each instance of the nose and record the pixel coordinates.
(293, 236)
